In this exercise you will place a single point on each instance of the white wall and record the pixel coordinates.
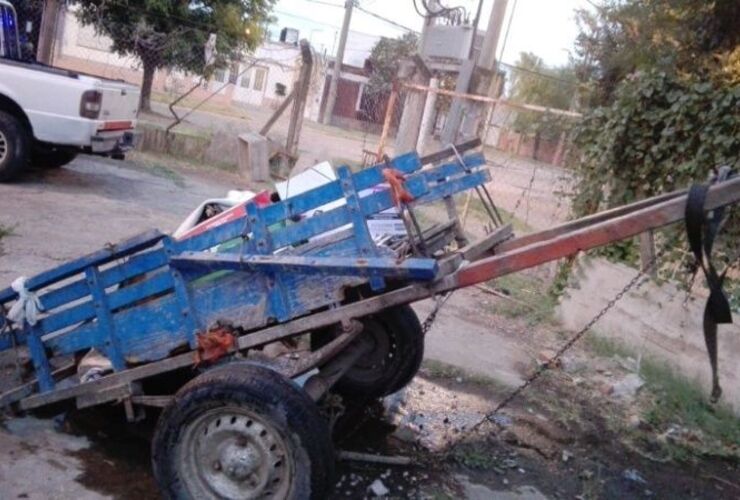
(82, 42)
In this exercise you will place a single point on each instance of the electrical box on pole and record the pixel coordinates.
(449, 42)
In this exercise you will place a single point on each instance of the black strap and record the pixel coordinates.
(701, 231)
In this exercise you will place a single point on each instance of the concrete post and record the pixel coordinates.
(331, 98)
(413, 107)
(427, 118)
(47, 32)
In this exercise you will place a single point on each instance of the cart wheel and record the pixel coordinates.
(395, 358)
(242, 431)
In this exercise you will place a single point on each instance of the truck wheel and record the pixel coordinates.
(242, 431)
(52, 157)
(13, 146)
(395, 359)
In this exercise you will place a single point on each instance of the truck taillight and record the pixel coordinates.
(91, 104)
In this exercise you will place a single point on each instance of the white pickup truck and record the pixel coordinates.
(49, 115)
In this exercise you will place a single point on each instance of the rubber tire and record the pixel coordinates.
(404, 328)
(265, 391)
(17, 139)
(52, 158)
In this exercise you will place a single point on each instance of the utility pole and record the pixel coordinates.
(299, 104)
(487, 62)
(487, 58)
(331, 99)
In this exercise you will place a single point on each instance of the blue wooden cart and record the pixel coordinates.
(257, 319)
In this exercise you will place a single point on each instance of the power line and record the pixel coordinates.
(368, 12)
(389, 21)
(537, 73)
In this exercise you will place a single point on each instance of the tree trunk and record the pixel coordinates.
(146, 85)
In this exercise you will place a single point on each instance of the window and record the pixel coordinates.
(219, 75)
(233, 73)
(246, 79)
(260, 75)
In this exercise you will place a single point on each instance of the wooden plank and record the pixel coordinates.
(278, 112)
(154, 285)
(104, 396)
(135, 265)
(587, 221)
(483, 246)
(17, 393)
(440, 191)
(413, 268)
(448, 151)
(594, 235)
(108, 339)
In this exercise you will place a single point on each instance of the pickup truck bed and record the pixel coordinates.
(48, 115)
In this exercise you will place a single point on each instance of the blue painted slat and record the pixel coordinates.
(413, 268)
(331, 191)
(361, 234)
(273, 281)
(187, 311)
(38, 356)
(76, 266)
(212, 237)
(107, 339)
(441, 172)
(455, 186)
(134, 266)
(308, 228)
(339, 216)
(68, 317)
(154, 285)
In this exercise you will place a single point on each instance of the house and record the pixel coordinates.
(263, 78)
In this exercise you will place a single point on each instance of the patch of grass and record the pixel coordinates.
(606, 347)
(473, 456)
(684, 402)
(441, 370)
(6, 231)
(530, 298)
(677, 400)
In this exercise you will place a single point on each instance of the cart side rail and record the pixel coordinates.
(140, 309)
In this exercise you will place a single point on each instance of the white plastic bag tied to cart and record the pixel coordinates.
(28, 305)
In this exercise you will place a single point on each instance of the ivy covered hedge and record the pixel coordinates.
(661, 132)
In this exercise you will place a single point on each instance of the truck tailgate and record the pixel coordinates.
(120, 101)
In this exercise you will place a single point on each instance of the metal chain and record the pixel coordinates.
(440, 301)
(634, 282)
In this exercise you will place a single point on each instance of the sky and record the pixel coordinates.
(544, 27)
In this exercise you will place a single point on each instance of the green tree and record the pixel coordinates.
(689, 37)
(531, 81)
(662, 82)
(384, 60)
(174, 33)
